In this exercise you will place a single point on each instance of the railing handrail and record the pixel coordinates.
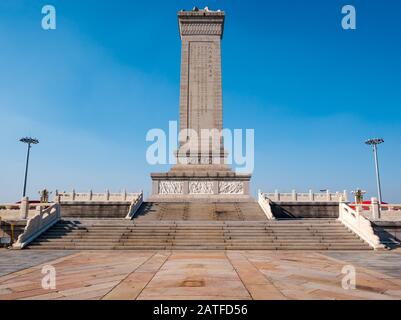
(359, 224)
(39, 223)
(96, 196)
(31, 205)
(310, 196)
(265, 205)
(134, 207)
(378, 212)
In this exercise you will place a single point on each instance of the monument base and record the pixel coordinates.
(200, 185)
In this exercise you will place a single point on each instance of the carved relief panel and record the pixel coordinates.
(171, 187)
(201, 187)
(231, 187)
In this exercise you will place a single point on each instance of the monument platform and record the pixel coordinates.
(200, 185)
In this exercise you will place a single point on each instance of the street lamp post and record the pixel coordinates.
(374, 143)
(29, 141)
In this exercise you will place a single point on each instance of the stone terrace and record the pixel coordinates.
(200, 275)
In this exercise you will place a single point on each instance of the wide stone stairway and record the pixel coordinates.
(321, 234)
(95, 211)
(200, 211)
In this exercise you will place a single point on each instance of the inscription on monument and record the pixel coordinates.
(201, 84)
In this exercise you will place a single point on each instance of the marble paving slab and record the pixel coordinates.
(199, 275)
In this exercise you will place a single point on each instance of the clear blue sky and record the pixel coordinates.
(91, 90)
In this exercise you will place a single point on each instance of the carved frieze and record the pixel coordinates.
(201, 187)
(171, 187)
(231, 187)
(212, 29)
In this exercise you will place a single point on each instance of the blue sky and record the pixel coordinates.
(91, 90)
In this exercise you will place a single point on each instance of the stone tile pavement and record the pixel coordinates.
(171, 275)
(11, 262)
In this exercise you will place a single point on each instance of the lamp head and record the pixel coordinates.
(29, 140)
(375, 141)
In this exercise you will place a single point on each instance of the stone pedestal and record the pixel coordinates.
(198, 185)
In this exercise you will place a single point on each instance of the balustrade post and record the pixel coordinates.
(39, 210)
(57, 197)
(90, 195)
(73, 194)
(107, 195)
(375, 209)
(294, 195)
(276, 195)
(311, 196)
(24, 208)
(358, 208)
(341, 207)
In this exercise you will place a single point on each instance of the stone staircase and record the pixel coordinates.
(95, 210)
(200, 211)
(140, 234)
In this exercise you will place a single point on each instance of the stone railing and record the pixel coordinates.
(47, 216)
(357, 223)
(18, 211)
(307, 197)
(376, 212)
(390, 212)
(16, 206)
(265, 205)
(134, 207)
(95, 197)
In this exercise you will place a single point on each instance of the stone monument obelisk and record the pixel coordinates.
(201, 172)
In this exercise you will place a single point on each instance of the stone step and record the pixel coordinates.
(198, 228)
(199, 236)
(106, 228)
(195, 242)
(162, 247)
(171, 240)
(119, 223)
(90, 234)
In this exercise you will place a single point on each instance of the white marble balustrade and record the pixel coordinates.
(307, 197)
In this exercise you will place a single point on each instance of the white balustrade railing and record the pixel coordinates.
(307, 197)
(265, 205)
(17, 206)
(376, 212)
(47, 215)
(95, 197)
(357, 223)
(134, 207)
(18, 211)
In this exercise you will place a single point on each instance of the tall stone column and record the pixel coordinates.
(201, 105)
(201, 172)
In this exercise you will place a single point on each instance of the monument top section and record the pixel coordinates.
(199, 22)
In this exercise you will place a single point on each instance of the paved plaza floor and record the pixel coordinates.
(171, 275)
